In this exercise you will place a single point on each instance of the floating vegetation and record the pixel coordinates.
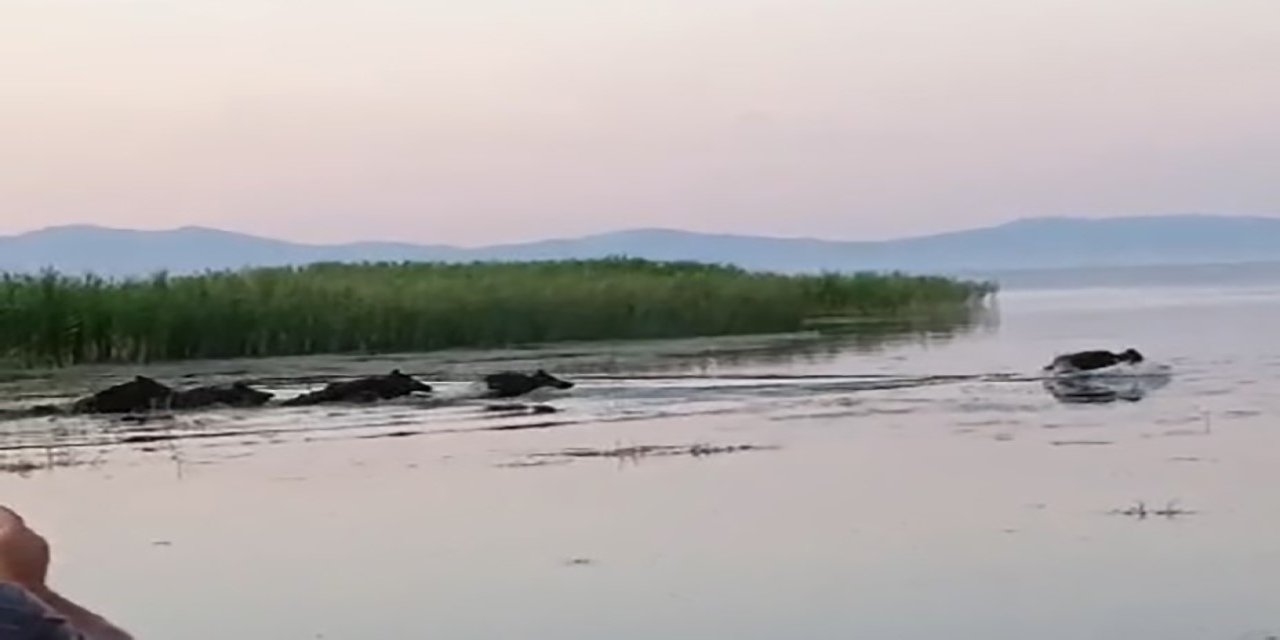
(517, 408)
(1140, 511)
(633, 453)
(20, 464)
(524, 464)
(644, 451)
(19, 467)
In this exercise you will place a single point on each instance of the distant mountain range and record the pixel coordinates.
(1037, 243)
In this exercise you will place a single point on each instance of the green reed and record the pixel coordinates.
(55, 320)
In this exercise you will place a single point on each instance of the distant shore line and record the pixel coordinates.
(55, 320)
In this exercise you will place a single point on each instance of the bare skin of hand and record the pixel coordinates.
(24, 561)
(24, 554)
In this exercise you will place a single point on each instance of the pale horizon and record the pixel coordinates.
(501, 121)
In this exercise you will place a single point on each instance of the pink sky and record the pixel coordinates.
(500, 120)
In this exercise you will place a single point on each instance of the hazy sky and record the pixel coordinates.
(476, 121)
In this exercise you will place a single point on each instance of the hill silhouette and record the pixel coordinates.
(1036, 243)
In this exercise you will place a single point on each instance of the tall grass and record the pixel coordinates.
(55, 320)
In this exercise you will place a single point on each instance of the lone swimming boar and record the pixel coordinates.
(369, 389)
(510, 384)
(1092, 360)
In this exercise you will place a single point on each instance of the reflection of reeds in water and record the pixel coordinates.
(824, 342)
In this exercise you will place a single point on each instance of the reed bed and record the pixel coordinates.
(56, 320)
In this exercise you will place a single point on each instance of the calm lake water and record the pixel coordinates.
(924, 487)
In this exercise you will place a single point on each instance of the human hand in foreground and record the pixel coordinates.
(24, 554)
(24, 562)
